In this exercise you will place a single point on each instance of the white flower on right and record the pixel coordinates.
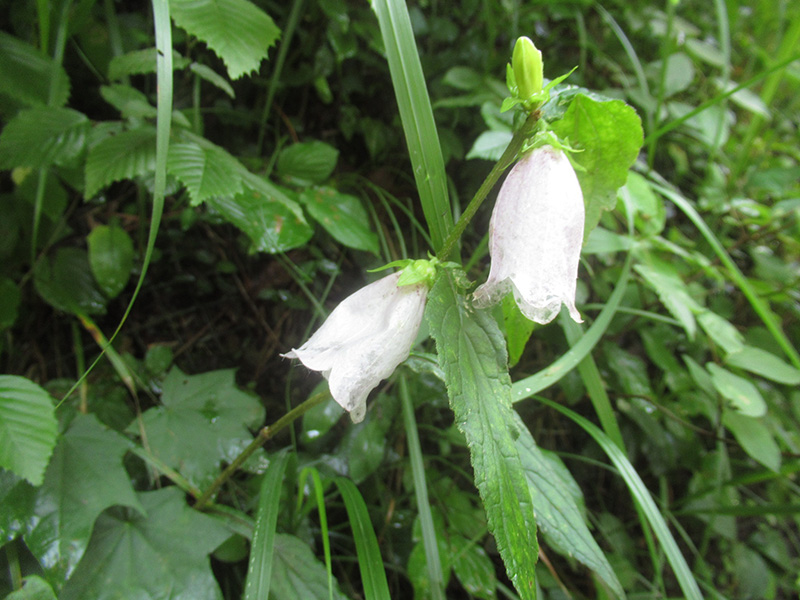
(535, 237)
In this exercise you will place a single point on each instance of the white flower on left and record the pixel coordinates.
(364, 339)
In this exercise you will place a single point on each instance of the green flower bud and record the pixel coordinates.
(419, 271)
(528, 69)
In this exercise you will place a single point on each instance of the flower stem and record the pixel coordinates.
(265, 434)
(501, 165)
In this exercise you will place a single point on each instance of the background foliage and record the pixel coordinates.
(291, 168)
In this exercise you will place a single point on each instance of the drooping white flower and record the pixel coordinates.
(535, 237)
(364, 339)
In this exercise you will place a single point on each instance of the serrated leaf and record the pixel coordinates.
(85, 476)
(110, 257)
(754, 438)
(297, 573)
(139, 62)
(203, 420)
(672, 292)
(740, 392)
(66, 283)
(28, 427)
(129, 101)
(42, 136)
(343, 216)
(124, 156)
(765, 364)
(610, 136)
(237, 30)
(205, 171)
(17, 498)
(558, 515)
(472, 355)
(307, 162)
(29, 76)
(160, 554)
(271, 225)
(208, 74)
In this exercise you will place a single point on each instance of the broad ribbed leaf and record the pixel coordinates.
(558, 515)
(139, 62)
(343, 216)
(66, 283)
(205, 171)
(161, 553)
(123, 156)
(42, 136)
(129, 101)
(271, 225)
(307, 162)
(472, 355)
(237, 30)
(110, 257)
(85, 476)
(28, 427)
(609, 135)
(29, 76)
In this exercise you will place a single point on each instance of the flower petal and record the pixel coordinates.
(364, 339)
(535, 237)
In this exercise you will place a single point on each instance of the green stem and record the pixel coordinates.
(508, 157)
(264, 435)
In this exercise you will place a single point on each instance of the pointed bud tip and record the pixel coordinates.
(526, 61)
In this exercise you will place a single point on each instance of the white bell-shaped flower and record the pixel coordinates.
(364, 339)
(535, 237)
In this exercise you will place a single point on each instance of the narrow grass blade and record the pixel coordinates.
(642, 496)
(373, 576)
(416, 114)
(525, 388)
(434, 564)
(759, 305)
(319, 496)
(259, 569)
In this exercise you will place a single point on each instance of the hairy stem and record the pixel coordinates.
(501, 165)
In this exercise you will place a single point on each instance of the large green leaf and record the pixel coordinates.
(85, 476)
(740, 392)
(342, 215)
(307, 162)
(29, 76)
(473, 357)
(558, 514)
(297, 574)
(66, 283)
(35, 588)
(28, 427)
(672, 292)
(123, 156)
(138, 62)
(110, 257)
(206, 171)
(271, 224)
(764, 363)
(609, 135)
(237, 30)
(203, 421)
(754, 437)
(161, 554)
(42, 136)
